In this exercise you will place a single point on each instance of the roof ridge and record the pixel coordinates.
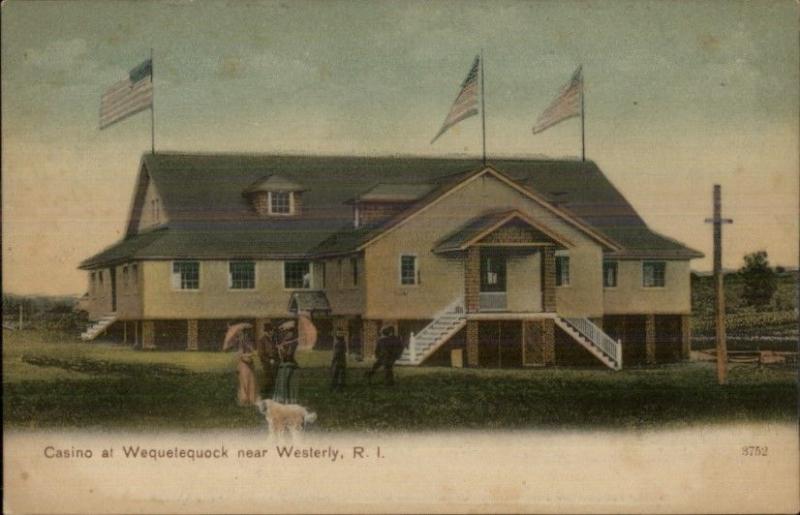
(292, 154)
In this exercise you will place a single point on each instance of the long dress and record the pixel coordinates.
(248, 390)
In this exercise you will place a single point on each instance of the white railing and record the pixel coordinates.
(604, 342)
(456, 307)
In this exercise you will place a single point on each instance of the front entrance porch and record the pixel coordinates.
(509, 263)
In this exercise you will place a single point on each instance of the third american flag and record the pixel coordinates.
(566, 105)
(466, 103)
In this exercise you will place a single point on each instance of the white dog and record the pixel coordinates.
(285, 417)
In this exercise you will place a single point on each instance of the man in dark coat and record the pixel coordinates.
(267, 348)
(388, 349)
(338, 363)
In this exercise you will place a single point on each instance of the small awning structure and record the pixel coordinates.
(310, 302)
(486, 229)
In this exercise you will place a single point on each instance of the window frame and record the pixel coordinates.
(232, 262)
(663, 275)
(415, 273)
(354, 272)
(310, 275)
(125, 277)
(290, 203)
(615, 264)
(179, 287)
(563, 257)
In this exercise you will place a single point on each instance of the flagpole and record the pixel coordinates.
(152, 109)
(483, 113)
(583, 121)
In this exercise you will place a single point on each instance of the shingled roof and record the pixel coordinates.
(209, 217)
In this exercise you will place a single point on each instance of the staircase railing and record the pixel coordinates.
(457, 307)
(604, 342)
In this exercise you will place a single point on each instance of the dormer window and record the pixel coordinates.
(274, 196)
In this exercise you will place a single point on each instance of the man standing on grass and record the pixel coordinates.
(338, 363)
(388, 349)
(267, 348)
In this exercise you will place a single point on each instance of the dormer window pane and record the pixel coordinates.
(280, 202)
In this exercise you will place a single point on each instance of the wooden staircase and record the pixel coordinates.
(593, 339)
(435, 334)
(99, 327)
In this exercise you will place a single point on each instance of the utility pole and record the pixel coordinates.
(719, 287)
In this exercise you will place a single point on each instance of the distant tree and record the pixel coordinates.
(760, 281)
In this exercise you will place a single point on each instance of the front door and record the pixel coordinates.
(493, 280)
(113, 272)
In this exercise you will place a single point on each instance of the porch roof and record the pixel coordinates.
(309, 301)
(482, 226)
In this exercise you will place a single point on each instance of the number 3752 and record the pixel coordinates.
(754, 450)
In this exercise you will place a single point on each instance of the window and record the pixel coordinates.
(408, 270)
(354, 267)
(323, 273)
(609, 274)
(135, 276)
(653, 274)
(241, 275)
(562, 270)
(297, 275)
(125, 277)
(341, 273)
(186, 275)
(100, 278)
(92, 279)
(280, 202)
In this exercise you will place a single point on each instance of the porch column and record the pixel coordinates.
(191, 335)
(549, 279)
(472, 343)
(371, 328)
(148, 335)
(686, 336)
(549, 342)
(650, 339)
(472, 280)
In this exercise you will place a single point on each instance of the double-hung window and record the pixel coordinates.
(408, 270)
(610, 274)
(562, 270)
(242, 275)
(654, 274)
(280, 202)
(297, 275)
(186, 275)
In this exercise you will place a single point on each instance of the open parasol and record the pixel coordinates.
(234, 331)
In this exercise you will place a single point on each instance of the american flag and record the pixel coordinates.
(128, 97)
(566, 105)
(466, 103)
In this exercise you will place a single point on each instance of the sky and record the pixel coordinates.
(679, 96)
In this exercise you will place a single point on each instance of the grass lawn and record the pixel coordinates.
(50, 380)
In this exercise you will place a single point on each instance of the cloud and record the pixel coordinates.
(58, 55)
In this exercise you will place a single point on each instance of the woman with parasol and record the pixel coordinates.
(238, 335)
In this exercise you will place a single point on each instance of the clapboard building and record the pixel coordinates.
(519, 262)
